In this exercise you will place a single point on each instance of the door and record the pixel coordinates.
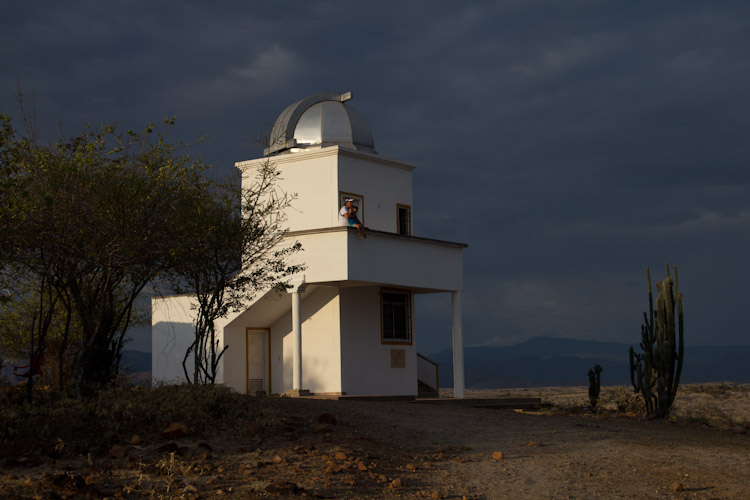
(258, 379)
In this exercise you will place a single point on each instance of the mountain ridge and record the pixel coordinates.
(554, 361)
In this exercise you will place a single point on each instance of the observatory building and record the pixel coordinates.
(346, 327)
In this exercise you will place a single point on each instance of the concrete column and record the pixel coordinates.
(458, 346)
(296, 290)
(297, 343)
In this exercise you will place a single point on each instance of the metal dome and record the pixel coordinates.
(317, 121)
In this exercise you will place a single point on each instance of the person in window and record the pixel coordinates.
(348, 217)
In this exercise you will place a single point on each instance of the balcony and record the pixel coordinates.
(337, 256)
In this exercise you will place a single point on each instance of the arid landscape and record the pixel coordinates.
(313, 448)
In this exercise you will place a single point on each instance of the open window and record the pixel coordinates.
(396, 316)
(403, 221)
(359, 202)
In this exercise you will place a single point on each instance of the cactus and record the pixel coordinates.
(595, 380)
(655, 374)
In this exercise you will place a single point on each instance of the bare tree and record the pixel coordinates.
(230, 248)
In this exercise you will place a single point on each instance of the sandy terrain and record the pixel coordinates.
(407, 450)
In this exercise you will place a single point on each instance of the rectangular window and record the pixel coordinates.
(403, 224)
(359, 202)
(396, 322)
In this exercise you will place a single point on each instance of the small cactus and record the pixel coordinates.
(655, 374)
(595, 380)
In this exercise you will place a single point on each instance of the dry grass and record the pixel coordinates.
(63, 424)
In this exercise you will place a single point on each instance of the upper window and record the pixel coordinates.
(359, 202)
(396, 316)
(403, 221)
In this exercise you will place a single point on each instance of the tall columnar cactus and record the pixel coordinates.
(655, 374)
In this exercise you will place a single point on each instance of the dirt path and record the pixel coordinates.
(568, 457)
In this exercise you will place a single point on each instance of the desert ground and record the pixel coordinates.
(404, 450)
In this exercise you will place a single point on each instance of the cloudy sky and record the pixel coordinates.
(570, 144)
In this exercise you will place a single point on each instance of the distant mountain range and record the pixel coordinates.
(547, 361)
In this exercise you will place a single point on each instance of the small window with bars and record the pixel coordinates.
(396, 316)
(403, 224)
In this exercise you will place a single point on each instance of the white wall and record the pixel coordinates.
(333, 256)
(366, 362)
(321, 348)
(405, 262)
(382, 186)
(232, 365)
(318, 176)
(309, 176)
(172, 332)
(324, 255)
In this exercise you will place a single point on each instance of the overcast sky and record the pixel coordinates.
(570, 144)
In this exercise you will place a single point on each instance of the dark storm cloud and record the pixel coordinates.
(569, 143)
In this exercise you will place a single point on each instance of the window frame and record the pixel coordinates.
(399, 206)
(409, 294)
(359, 200)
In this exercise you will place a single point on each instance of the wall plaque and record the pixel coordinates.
(398, 358)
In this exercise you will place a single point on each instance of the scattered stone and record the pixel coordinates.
(339, 455)
(118, 451)
(676, 486)
(277, 459)
(397, 483)
(426, 465)
(498, 455)
(436, 495)
(382, 478)
(739, 429)
(412, 467)
(326, 418)
(175, 430)
(361, 466)
(630, 414)
(534, 443)
(349, 481)
(333, 468)
(282, 488)
(136, 440)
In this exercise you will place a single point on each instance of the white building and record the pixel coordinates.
(347, 327)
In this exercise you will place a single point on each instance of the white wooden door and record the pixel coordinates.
(257, 372)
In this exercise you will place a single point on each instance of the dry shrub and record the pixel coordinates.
(623, 399)
(111, 415)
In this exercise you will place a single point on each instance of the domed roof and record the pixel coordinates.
(317, 121)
